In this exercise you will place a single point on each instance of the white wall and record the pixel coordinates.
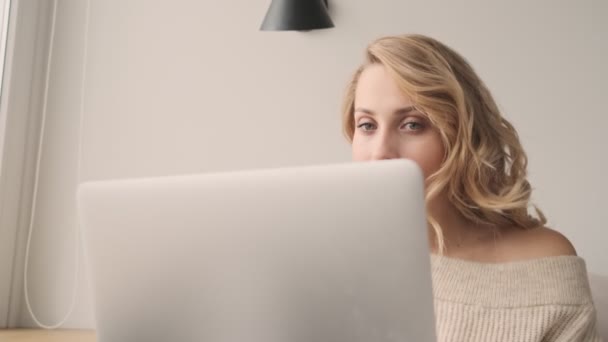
(193, 86)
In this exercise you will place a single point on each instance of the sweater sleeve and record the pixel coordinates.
(574, 324)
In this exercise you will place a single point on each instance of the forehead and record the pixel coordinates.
(377, 88)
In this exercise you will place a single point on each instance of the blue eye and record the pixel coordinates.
(366, 126)
(413, 126)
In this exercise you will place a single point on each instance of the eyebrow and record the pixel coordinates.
(400, 111)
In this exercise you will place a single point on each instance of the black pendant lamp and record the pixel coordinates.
(297, 15)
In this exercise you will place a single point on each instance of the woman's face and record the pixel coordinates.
(388, 127)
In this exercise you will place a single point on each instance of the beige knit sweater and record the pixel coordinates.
(544, 300)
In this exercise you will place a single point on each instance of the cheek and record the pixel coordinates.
(427, 153)
(432, 163)
(359, 151)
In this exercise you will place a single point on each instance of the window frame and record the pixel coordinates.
(23, 77)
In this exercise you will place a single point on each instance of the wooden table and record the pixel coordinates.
(39, 335)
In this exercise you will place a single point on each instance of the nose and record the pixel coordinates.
(386, 147)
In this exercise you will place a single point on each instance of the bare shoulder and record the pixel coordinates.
(541, 242)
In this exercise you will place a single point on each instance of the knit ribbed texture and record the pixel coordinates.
(544, 300)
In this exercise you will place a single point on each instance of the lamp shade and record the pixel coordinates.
(297, 15)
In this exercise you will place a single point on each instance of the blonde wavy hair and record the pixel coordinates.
(483, 172)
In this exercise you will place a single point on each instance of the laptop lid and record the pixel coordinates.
(321, 253)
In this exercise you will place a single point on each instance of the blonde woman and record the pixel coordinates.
(498, 273)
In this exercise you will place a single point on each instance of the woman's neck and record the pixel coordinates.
(459, 233)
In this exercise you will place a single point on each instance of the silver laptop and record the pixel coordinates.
(317, 254)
